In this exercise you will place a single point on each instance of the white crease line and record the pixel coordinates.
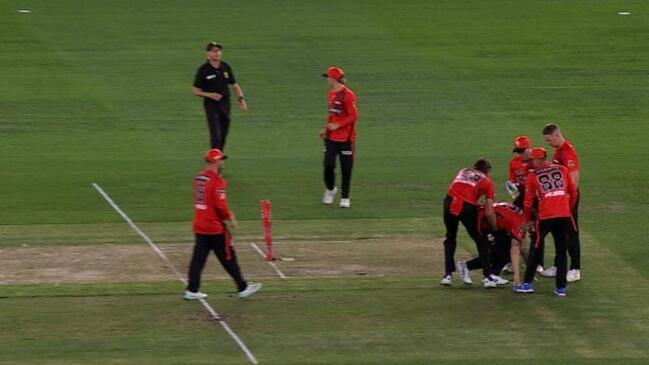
(261, 253)
(179, 276)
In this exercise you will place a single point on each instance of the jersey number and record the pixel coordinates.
(551, 181)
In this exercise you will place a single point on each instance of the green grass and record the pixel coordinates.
(99, 92)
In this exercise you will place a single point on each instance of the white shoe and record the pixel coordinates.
(328, 197)
(550, 272)
(251, 289)
(345, 203)
(499, 280)
(446, 280)
(539, 269)
(189, 295)
(465, 274)
(489, 283)
(573, 275)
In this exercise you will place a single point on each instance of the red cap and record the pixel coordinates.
(521, 143)
(214, 155)
(538, 153)
(334, 72)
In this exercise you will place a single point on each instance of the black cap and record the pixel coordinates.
(213, 45)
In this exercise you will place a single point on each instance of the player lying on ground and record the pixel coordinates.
(505, 246)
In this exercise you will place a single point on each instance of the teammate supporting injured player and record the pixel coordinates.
(339, 134)
(552, 185)
(461, 205)
(565, 155)
(506, 245)
(213, 221)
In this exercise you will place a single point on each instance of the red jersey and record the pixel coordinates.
(566, 156)
(210, 203)
(554, 188)
(517, 170)
(342, 111)
(468, 186)
(509, 218)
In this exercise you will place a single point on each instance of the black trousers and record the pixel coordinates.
(469, 218)
(560, 229)
(498, 253)
(218, 122)
(204, 244)
(345, 152)
(574, 244)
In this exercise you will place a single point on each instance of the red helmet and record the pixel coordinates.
(538, 153)
(214, 155)
(335, 73)
(521, 143)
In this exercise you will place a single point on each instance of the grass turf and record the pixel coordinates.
(100, 92)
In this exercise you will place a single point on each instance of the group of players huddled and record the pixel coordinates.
(545, 200)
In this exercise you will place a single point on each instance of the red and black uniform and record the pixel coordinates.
(340, 143)
(557, 194)
(518, 169)
(211, 234)
(461, 205)
(509, 219)
(566, 156)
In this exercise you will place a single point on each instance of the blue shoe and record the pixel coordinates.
(561, 292)
(524, 288)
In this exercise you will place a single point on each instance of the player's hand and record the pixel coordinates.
(332, 126)
(232, 223)
(243, 105)
(322, 133)
(215, 96)
(525, 227)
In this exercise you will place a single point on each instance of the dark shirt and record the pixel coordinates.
(215, 80)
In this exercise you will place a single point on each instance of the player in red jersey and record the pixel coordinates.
(565, 155)
(339, 134)
(557, 194)
(506, 245)
(461, 205)
(212, 223)
(518, 168)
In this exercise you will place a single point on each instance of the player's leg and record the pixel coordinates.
(202, 246)
(230, 265)
(536, 248)
(224, 123)
(515, 255)
(469, 219)
(450, 242)
(329, 164)
(346, 164)
(574, 243)
(214, 125)
(560, 229)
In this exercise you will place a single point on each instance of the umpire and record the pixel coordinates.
(211, 83)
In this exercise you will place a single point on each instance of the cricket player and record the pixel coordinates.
(461, 205)
(515, 186)
(507, 243)
(212, 82)
(213, 221)
(565, 155)
(557, 194)
(339, 134)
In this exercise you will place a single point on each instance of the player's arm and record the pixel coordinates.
(530, 194)
(236, 89)
(574, 176)
(572, 188)
(199, 92)
(490, 197)
(221, 206)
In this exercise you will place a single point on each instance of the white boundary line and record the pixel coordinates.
(261, 253)
(179, 276)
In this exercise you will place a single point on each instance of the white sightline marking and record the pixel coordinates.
(179, 276)
(261, 253)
